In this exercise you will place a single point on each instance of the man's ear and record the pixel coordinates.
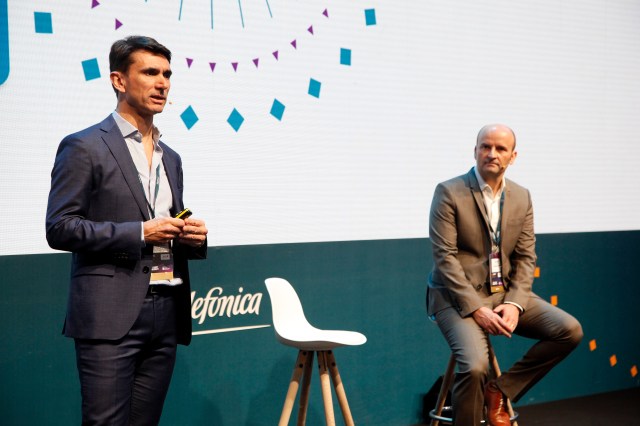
(513, 157)
(117, 81)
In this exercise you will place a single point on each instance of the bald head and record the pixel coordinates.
(499, 128)
(494, 152)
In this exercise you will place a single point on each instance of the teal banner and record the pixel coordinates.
(236, 373)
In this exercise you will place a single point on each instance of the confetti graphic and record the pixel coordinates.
(314, 88)
(43, 22)
(593, 346)
(235, 120)
(189, 117)
(91, 69)
(345, 56)
(277, 109)
(300, 40)
(370, 17)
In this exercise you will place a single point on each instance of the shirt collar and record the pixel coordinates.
(484, 186)
(128, 130)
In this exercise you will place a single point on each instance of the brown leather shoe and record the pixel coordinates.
(495, 402)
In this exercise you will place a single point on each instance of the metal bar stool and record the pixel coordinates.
(436, 414)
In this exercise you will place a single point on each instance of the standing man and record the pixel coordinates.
(114, 191)
(481, 230)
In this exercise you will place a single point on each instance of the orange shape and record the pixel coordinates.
(536, 273)
(554, 300)
(592, 345)
(634, 371)
(613, 360)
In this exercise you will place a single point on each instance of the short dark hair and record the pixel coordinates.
(121, 51)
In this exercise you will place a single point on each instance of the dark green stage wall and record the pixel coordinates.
(376, 287)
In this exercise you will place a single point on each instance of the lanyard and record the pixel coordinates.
(495, 233)
(152, 208)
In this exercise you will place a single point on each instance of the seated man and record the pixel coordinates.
(481, 230)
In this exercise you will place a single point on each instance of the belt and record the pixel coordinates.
(162, 290)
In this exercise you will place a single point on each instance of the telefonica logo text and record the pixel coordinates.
(216, 304)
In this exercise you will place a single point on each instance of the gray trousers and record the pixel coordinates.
(557, 334)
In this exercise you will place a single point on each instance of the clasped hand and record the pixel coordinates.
(501, 320)
(162, 230)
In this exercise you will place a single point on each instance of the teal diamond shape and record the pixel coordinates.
(189, 117)
(277, 109)
(235, 120)
(314, 88)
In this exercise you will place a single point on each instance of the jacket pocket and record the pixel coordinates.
(107, 269)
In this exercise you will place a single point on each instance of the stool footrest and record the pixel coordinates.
(447, 420)
(448, 378)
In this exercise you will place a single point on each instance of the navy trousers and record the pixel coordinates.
(125, 382)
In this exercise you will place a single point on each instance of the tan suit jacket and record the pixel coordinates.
(460, 235)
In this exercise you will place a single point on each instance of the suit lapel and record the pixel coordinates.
(477, 196)
(118, 147)
(170, 169)
(506, 211)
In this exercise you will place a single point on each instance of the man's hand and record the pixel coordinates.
(194, 233)
(509, 313)
(493, 322)
(162, 230)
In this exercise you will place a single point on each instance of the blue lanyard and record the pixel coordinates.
(152, 208)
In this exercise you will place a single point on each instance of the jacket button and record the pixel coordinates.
(145, 270)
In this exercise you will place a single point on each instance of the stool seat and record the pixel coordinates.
(437, 414)
(292, 329)
(307, 337)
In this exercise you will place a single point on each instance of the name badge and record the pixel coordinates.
(496, 285)
(162, 267)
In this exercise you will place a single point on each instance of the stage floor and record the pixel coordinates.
(612, 408)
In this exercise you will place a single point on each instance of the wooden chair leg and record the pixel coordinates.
(339, 387)
(447, 380)
(304, 393)
(294, 384)
(325, 383)
(496, 369)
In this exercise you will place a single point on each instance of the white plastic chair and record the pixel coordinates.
(293, 329)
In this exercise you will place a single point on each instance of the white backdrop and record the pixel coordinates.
(361, 160)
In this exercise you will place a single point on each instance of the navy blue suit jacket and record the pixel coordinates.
(95, 207)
